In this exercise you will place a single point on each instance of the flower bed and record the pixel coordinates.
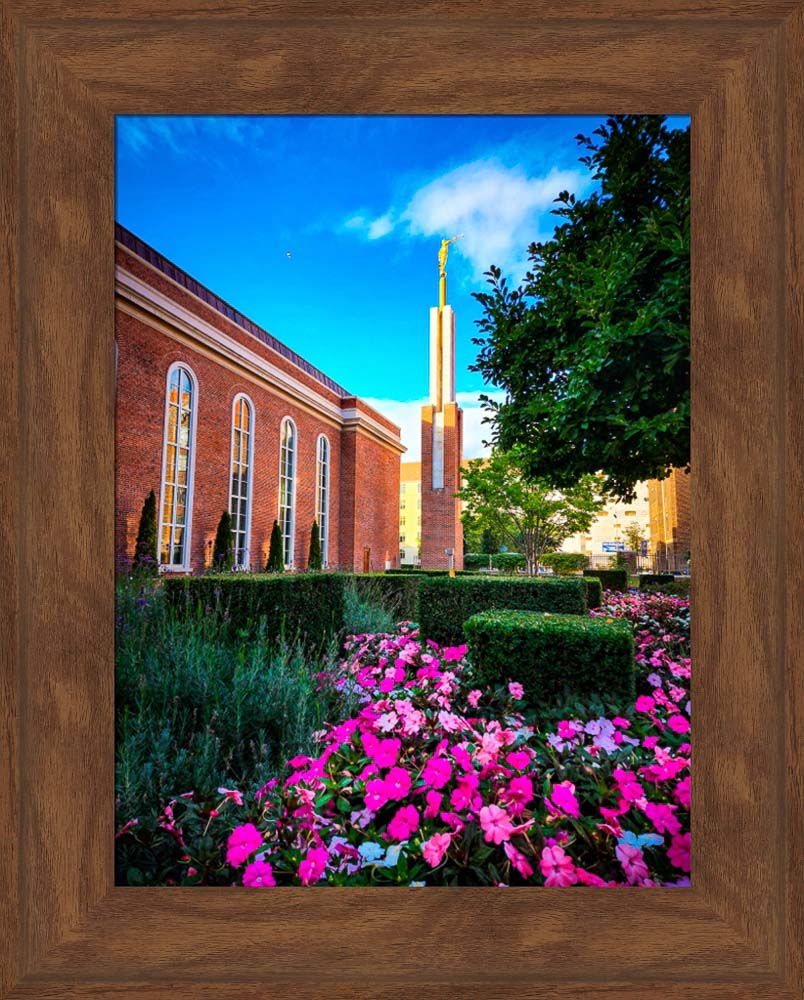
(437, 782)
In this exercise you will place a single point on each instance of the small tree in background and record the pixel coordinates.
(314, 559)
(146, 554)
(223, 549)
(276, 558)
(488, 543)
(634, 537)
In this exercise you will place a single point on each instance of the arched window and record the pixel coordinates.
(240, 494)
(322, 495)
(177, 468)
(287, 487)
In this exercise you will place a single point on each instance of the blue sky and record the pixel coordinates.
(361, 204)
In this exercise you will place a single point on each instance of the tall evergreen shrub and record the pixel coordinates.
(276, 557)
(223, 549)
(314, 559)
(146, 552)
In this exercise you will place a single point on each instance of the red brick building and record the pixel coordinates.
(214, 414)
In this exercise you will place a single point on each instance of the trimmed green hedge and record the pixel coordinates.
(594, 592)
(444, 604)
(611, 579)
(416, 571)
(396, 591)
(554, 657)
(655, 579)
(307, 605)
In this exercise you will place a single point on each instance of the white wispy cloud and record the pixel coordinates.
(407, 415)
(500, 210)
(181, 134)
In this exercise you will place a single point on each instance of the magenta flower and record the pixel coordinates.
(518, 759)
(557, 868)
(376, 794)
(518, 860)
(313, 866)
(496, 824)
(678, 854)
(682, 792)
(563, 799)
(433, 800)
(258, 873)
(243, 841)
(519, 793)
(435, 848)
(679, 724)
(386, 753)
(437, 772)
(404, 823)
(645, 703)
(663, 818)
(397, 783)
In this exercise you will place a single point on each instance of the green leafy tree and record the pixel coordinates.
(634, 537)
(223, 549)
(146, 551)
(593, 349)
(522, 512)
(488, 543)
(276, 557)
(314, 559)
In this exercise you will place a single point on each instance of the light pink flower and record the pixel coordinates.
(516, 690)
(232, 794)
(243, 841)
(474, 697)
(404, 823)
(496, 824)
(663, 818)
(557, 868)
(435, 848)
(633, 863)
(258, 873)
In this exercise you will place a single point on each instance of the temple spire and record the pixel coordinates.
(442, 301)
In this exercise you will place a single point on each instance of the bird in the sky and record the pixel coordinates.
(288, 253)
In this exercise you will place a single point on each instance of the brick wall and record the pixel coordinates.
(670, 520)
(364, 472)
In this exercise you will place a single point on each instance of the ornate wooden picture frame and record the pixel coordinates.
(735, 66)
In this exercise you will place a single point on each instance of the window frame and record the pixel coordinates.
(323, 534)
(288, 562)
(186, 564)
(246, 563)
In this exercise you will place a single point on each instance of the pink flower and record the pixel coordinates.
(557, 868)
(232, 794)
(376, 794)
(473, 698)
(404, 823)
(518, 759)
(563, 799)
(633, 863)
(313, 866)
(516, 690)
(496, 824)
(589, 878)
(518, 860)
(662, 818)
(679, 724)
(435, 848)
(620, 723)
(258, 873)
(243, 841)
(433, 800)
(519, 793)
(465, 794)
(386, 753)
(644, 703)
(678, 854)
(437, 772)
(682, 792)
(397, 783)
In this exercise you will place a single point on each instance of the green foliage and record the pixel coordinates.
(554, 656)
(314, 559)
(476, 561)
(618, 561)
(529, 516)
(593, 350)
(200, 705)
(371, 605)
(276, 556)
(594, 592)
(306, 606)
(647, 580)
(488, 542)
(223, 549)
(611, 579)
(565, 563)
(146, 551)
(445, 604)
(634, 537)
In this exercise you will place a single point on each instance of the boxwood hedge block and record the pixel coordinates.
(553, 656)
(444, 604)
(611, 579)
(309, 606)
(594, 591)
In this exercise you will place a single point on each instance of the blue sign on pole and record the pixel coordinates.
(614, 546)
